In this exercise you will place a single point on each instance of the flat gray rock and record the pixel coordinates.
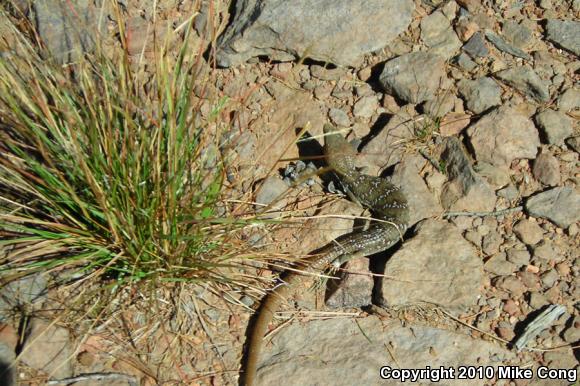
(48, 348)
(355, 287)
(480, 94)
(560, 205)
(527, 81)
(504, 46)
(569, 100)
(465, 190)
(574, 143)
(565, 33)
(475, 46)
(437, 265)
(23, 292)
(414, 77)
(496, 176)
(438, 35)
(547, 169)
(350, 352)
(554, 126)
(518, 34)
(335, 31)
(270, 196)
(422, 202)
(366, 106)
(503, 135)
(498, 265)
(339, 117)
(384, 149)
(529, 232)
(66, 32)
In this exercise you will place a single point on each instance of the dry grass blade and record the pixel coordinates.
(105, 175)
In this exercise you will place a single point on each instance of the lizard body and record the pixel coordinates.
(387, 202)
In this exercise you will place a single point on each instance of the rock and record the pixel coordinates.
(384, 150)
(510, 284)
(22, 293)
(323, 350)
(547, 169)
(572, 333)
(472, 6)
(335, 31)
(498, 265)
(325, 73)
(491, 242)
(526, 80)
(465, 28)
(441, 105)
(560, 205)
(389, 103)
(363, 89)
(476, 47)
(422, 202)
(436, 265)
(573, 230)
(519, 257)
(454, 123)
(506, 333)
(563, 269)
(465, 62)
(50, 350)
(503, 135)
(339, 117)
(271, 191)
(511, 307)
(480, 94)
(7, 368)
(322, 92)
(465, 190)
(354, 289)
(510, 192)
(530, 279)
(529, 232)
(474, 237)
(437, 34)
(545, 251)
(67, 33)
(495, 176)
(414, 77)
(554, 126)
(549, 278)
(565, 34)
(537, 300)
(564, 359)
(243, 143)
(569, 100)
(574, 143)
(366, 106)
(518, 34)
(503, 46)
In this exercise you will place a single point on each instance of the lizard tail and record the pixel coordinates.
(255, 341)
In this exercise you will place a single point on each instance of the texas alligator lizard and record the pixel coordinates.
(384, 199)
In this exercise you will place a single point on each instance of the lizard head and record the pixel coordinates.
(340, 155)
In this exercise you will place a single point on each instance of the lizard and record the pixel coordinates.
(384, 199)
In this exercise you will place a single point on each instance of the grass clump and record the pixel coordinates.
(105, 173)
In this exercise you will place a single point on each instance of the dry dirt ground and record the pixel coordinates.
(196, 335)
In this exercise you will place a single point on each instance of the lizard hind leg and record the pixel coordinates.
(333, 268)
